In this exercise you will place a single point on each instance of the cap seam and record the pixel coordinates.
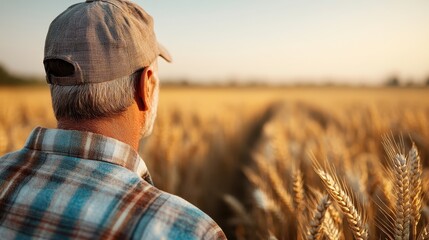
(120, 30)
(106, 2)
(83, 76)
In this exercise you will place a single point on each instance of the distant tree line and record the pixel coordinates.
(9, 79)
(394, 81)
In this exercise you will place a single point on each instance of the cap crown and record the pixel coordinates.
(103, 40)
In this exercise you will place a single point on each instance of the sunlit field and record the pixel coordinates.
(280, 163)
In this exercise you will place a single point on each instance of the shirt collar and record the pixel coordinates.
(87, 145)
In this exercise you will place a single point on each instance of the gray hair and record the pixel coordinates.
(89, 101)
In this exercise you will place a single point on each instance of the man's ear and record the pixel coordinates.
(145, 88)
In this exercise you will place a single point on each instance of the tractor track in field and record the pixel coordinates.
(240, 188)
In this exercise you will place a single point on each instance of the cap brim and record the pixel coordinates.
(163, 52)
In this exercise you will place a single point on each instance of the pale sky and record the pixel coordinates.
(277, 40)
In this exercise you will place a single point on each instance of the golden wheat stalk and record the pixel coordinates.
(400, 169)
(332, 222)
(298, 191)
(402, 191)
(276, 182)
(416, 187)
(260, 196)
(315, 231)
(335, 215)
(344, 200)
(254, 178)
(330, 227)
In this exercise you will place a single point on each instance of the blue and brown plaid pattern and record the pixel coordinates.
(70, 184)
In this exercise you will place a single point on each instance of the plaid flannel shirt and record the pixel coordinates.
(70, 184)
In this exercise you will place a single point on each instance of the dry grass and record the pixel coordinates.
(243, 156)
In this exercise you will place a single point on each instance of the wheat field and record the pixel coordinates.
(280, 163)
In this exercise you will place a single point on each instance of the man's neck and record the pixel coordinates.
(123, 127)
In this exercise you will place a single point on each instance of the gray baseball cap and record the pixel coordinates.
(103, 40)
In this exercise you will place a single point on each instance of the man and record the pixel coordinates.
(85, 179)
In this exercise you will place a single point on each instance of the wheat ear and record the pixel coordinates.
(298, 191)
(416, 187)
(402, 207)
(315, 231)
(343, 199)
(335, 215)
(332, 232)
(401, 187)
(276, 183)
(260, 195)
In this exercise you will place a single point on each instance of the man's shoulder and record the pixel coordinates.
(141, 210)
(173, 217)
(13, 157)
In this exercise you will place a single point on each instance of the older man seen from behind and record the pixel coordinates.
(85, 179)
